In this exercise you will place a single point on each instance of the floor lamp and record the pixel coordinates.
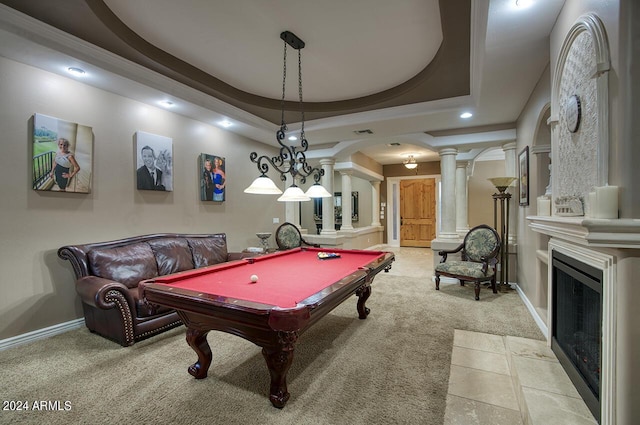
(501, 224)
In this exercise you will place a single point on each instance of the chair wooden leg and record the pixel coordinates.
(461, 282)
(437, 282)
(477, 290)
(493, 285)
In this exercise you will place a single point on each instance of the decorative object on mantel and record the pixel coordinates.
(502, 183)
(544, 206)
(569, 206)
(291, 160)
(547, 190)
(603, 203)
(523, 160)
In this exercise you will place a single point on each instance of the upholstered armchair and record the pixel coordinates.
(479, 256)
(288, 236)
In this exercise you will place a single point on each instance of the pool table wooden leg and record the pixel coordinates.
(363, 295)
(197, 340)
(278, 362)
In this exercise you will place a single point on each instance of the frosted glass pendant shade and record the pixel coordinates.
(318, 191)
(263, 186)
(293, 194)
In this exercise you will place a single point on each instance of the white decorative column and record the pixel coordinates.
(291, 210)
(328, 220)
(375, 203)
(448, 196)
(462, 220)
(346, 200)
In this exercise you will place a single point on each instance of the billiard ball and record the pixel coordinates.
(254, 278)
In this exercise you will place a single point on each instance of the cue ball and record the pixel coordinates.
(254, 278)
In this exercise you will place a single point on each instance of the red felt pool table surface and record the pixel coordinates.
(284, 278)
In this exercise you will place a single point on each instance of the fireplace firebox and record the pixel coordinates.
(577, 325)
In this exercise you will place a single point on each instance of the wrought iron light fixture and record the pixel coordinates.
(410, 162)
(291, 160)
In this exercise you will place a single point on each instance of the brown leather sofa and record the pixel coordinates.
(108, 274)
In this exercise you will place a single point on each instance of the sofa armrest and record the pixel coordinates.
(97, 292)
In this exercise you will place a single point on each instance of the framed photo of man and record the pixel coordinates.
(62, 155)
(213, 179)
(154, 162)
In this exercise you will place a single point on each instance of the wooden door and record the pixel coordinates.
(417, 212)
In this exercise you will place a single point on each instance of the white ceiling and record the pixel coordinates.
(353, 49)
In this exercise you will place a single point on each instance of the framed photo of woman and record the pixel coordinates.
(62, 155)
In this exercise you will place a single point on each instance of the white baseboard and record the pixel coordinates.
(533, 311)
(41, 333)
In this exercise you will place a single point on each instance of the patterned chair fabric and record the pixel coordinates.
(288, 237)
(478, 252)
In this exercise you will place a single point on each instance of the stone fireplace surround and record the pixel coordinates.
(612, 246)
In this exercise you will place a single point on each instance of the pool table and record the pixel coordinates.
(294, 289)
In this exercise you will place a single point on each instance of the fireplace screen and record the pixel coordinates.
(577, 325)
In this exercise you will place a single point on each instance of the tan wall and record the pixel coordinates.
(480, 204)
(37, 287)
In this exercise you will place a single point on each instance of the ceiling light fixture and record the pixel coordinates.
(524, 3)
(225, 123)
(466, 115)
(78, 72)
(166, 103)
(410, 162)
(291, 160)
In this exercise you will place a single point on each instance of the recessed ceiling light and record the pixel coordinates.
(466, 115)
(78, 72)
(524, 3)
(225, 123)
(292, 138)
(166, 103)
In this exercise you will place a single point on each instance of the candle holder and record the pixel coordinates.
(264, 238)
(502, 226)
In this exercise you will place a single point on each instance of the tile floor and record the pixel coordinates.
(509, 381)
(500, 380)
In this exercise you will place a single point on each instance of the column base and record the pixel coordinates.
(448, 236)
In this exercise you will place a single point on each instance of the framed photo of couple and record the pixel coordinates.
(213, 179)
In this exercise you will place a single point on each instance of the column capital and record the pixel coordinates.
(509, 146)
(327, 161)
(448, 151)
(346, 172)
(462, 164)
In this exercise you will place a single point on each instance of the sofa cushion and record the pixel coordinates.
(208, 251)
(172, 255)
(127, 264)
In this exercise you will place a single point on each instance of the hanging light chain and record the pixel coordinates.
(290, 160)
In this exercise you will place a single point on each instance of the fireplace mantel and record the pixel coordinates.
(592, 232)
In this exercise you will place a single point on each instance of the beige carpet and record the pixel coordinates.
(392, 368)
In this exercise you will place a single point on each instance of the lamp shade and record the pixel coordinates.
(293, 194)
(318, 191)
(263, 185)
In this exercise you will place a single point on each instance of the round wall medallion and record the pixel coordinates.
(573, 113)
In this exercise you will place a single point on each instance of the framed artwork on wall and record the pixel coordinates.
(213, 179)
(154, 162)
(62, 155)
(523, 161)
